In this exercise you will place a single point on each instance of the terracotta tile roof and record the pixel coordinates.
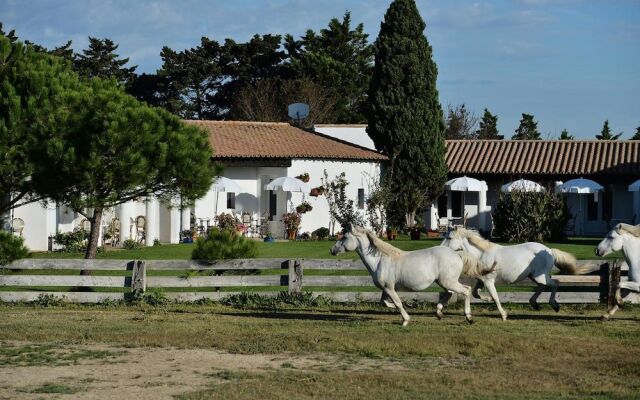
(543, 157)
(239, 139)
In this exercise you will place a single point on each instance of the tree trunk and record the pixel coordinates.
(94, 234)
(410, 218)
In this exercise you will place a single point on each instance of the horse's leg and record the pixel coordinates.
(491, 287)
(386, 300)
(476, 291)
(465, 291)
(553, 284)
(398, 303)
(610, 313)
(545, 281)
(534, 299)
(442, 301)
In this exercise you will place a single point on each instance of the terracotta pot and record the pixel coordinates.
(291, 234)
(392, 235)
(314, 192)
(414, 234)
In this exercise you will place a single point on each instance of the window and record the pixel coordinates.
(456, 204)
(231, 200)
(442, 206)
(361, 198)
(607, 205)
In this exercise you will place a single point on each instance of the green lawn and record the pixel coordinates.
(582, 248)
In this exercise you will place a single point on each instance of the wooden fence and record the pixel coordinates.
(184, 280)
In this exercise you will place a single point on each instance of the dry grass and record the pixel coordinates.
(533, 355)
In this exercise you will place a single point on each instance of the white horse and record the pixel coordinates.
(392, 268)
(514, 264)
(623, 237)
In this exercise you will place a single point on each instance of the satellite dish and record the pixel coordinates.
(298, 111)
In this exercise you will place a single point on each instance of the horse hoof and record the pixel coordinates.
(555, 307)
(605, 318)
(504, 317)
(439, 315)
(469, 319)
(405, 323)
(535, 306)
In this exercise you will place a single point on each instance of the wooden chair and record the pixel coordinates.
(17, 226)
(141, 226)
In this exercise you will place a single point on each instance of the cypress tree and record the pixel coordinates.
(405, 116)
(606, 133)
(636, 136)
(564, 135)
(488, 129)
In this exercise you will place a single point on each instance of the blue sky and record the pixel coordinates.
(571, 63)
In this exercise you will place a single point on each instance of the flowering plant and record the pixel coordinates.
(291, 220)
(304, 207)
(303, 177)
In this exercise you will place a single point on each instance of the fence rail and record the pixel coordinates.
(27, 279)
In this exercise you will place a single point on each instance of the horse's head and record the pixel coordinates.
(615, 239)
(348, 242)
(454, 239)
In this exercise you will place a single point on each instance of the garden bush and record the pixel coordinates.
(525, 216)
(227, 221)
(131, 244)
(72, 242)
(11, 248)
(321, 233)
(223, 245)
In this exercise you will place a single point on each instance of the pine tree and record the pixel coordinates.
(606, 134)
(116, 150)
(488, 128)
(100, 60)
(636, 136)
(405, 116)
(564, 135)
(34, 88)
(528, 129)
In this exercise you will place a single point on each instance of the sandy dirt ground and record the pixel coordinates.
(151, 373)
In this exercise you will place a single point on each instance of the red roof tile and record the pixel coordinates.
(543, 157)
(239, 139)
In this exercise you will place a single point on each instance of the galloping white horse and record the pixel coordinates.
(514, 263)
(392, 268)
(623, 237)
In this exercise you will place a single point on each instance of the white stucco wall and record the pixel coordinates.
(356, 134)
(39, 224)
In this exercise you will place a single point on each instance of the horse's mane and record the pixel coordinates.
(380, 245)
(474, 238)
(632, 229)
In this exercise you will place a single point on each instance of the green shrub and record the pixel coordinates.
(321, 233)
(223, 245)
(72, 242)
(131, 244)
(156, 243)
(48, 300)
(525, 216)
(11, 248)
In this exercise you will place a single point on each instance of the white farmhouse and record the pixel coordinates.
(253, 154)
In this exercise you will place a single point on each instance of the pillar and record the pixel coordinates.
(124, 215)
(174, 225)
(185, 219)
(151, 228)
(482, 210)
(433, 216)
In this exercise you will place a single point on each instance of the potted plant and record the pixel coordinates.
(291, 223)
(303, 177)
(432, 233)
(268, 237)
(392, 233)
(414, 232)
(317, 191)
(186, 236)
(304, 207)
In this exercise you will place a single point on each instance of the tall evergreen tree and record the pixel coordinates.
(488, 127)
(338, 58)
(405, 116)
(11, 35)
(193, 78)
(636, 136)
(564, 135)
(528, 129)
(606, 133)
(100, 60)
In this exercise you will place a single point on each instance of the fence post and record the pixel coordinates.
(139, 277)
(295, 276)
(614, 283)
(603, 287)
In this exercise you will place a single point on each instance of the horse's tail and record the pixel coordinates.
(473, 267)
(567, 263)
